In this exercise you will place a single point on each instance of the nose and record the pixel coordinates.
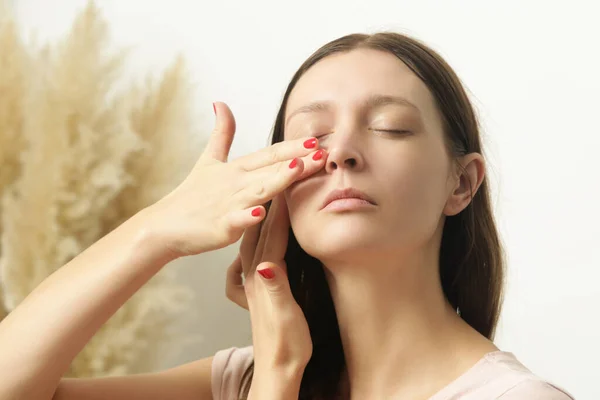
(343, 153)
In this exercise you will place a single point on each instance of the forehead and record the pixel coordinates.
(346, 80)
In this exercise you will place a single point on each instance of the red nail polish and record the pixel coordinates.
(256, 212)
(318, 155)
(215, 108)
(266, 273)
(293, 163)
(310, 143)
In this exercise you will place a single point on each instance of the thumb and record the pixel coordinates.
(276, 283)
(219, 142)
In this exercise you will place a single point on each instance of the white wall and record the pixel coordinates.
(532, 68)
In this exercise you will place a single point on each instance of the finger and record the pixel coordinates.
(313, 163)
(248, 246)
(263, 238)
(219, 142)
(241, 220)
(234, 288)
(278, 152)
(234, 276)
(309, 167)
(263, 187)
(278, 234)
(258, 250)
(274, 281)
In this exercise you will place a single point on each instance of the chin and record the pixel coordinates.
(338, 241)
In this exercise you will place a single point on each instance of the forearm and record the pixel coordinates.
(41, 337)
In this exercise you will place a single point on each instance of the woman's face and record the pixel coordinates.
(362, 95)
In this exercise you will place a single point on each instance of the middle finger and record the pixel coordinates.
(273, 240)
(278, 152)
(272, 174)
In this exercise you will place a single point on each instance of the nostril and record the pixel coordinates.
(334, 162)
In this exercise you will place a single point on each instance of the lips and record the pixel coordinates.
(348, 193)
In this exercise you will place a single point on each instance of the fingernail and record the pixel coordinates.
(293, 163)
(318, 155)
(310, 143)
(215, 108)
(266, 273)
(256, 212)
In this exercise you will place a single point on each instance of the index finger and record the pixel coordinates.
(277, 152)
(277, 231)
(248, 246)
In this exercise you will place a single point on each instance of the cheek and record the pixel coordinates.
(414, 192)
(418, 181)
(297, 199)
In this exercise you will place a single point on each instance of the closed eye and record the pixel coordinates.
(394, 131)
(390, 131)
(322, 135)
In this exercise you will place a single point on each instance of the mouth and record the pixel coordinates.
(347, 198)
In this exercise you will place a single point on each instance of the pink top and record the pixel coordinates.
(497, 375)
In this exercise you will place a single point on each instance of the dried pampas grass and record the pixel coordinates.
(78, 157)
(13, 64)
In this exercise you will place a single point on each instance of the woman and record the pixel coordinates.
(375, 273)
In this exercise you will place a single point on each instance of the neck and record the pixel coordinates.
(399, 333)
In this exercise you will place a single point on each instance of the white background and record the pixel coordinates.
(532, 71)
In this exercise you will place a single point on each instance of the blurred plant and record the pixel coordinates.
(78, 156)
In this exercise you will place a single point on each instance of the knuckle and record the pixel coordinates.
(273, 155)
(260, 190)
(279, 167)
(283, 169)
(239, 168)
(276, 290)
(230, 294)
(228, 233)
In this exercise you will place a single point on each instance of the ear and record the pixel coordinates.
(464, 182)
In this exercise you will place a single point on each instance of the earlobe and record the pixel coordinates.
(469, 177)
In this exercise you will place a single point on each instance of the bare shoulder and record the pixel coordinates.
(191, 381)
(536, 389)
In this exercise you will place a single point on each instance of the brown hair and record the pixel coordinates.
(471, 259)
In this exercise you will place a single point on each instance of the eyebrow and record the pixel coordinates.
(373, 101)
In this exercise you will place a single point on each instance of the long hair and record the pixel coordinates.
(471, 258)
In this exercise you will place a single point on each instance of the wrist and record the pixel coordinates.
(276, 385)
(148, 239)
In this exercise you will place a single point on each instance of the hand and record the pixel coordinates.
(280, 333)
(213, 206)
